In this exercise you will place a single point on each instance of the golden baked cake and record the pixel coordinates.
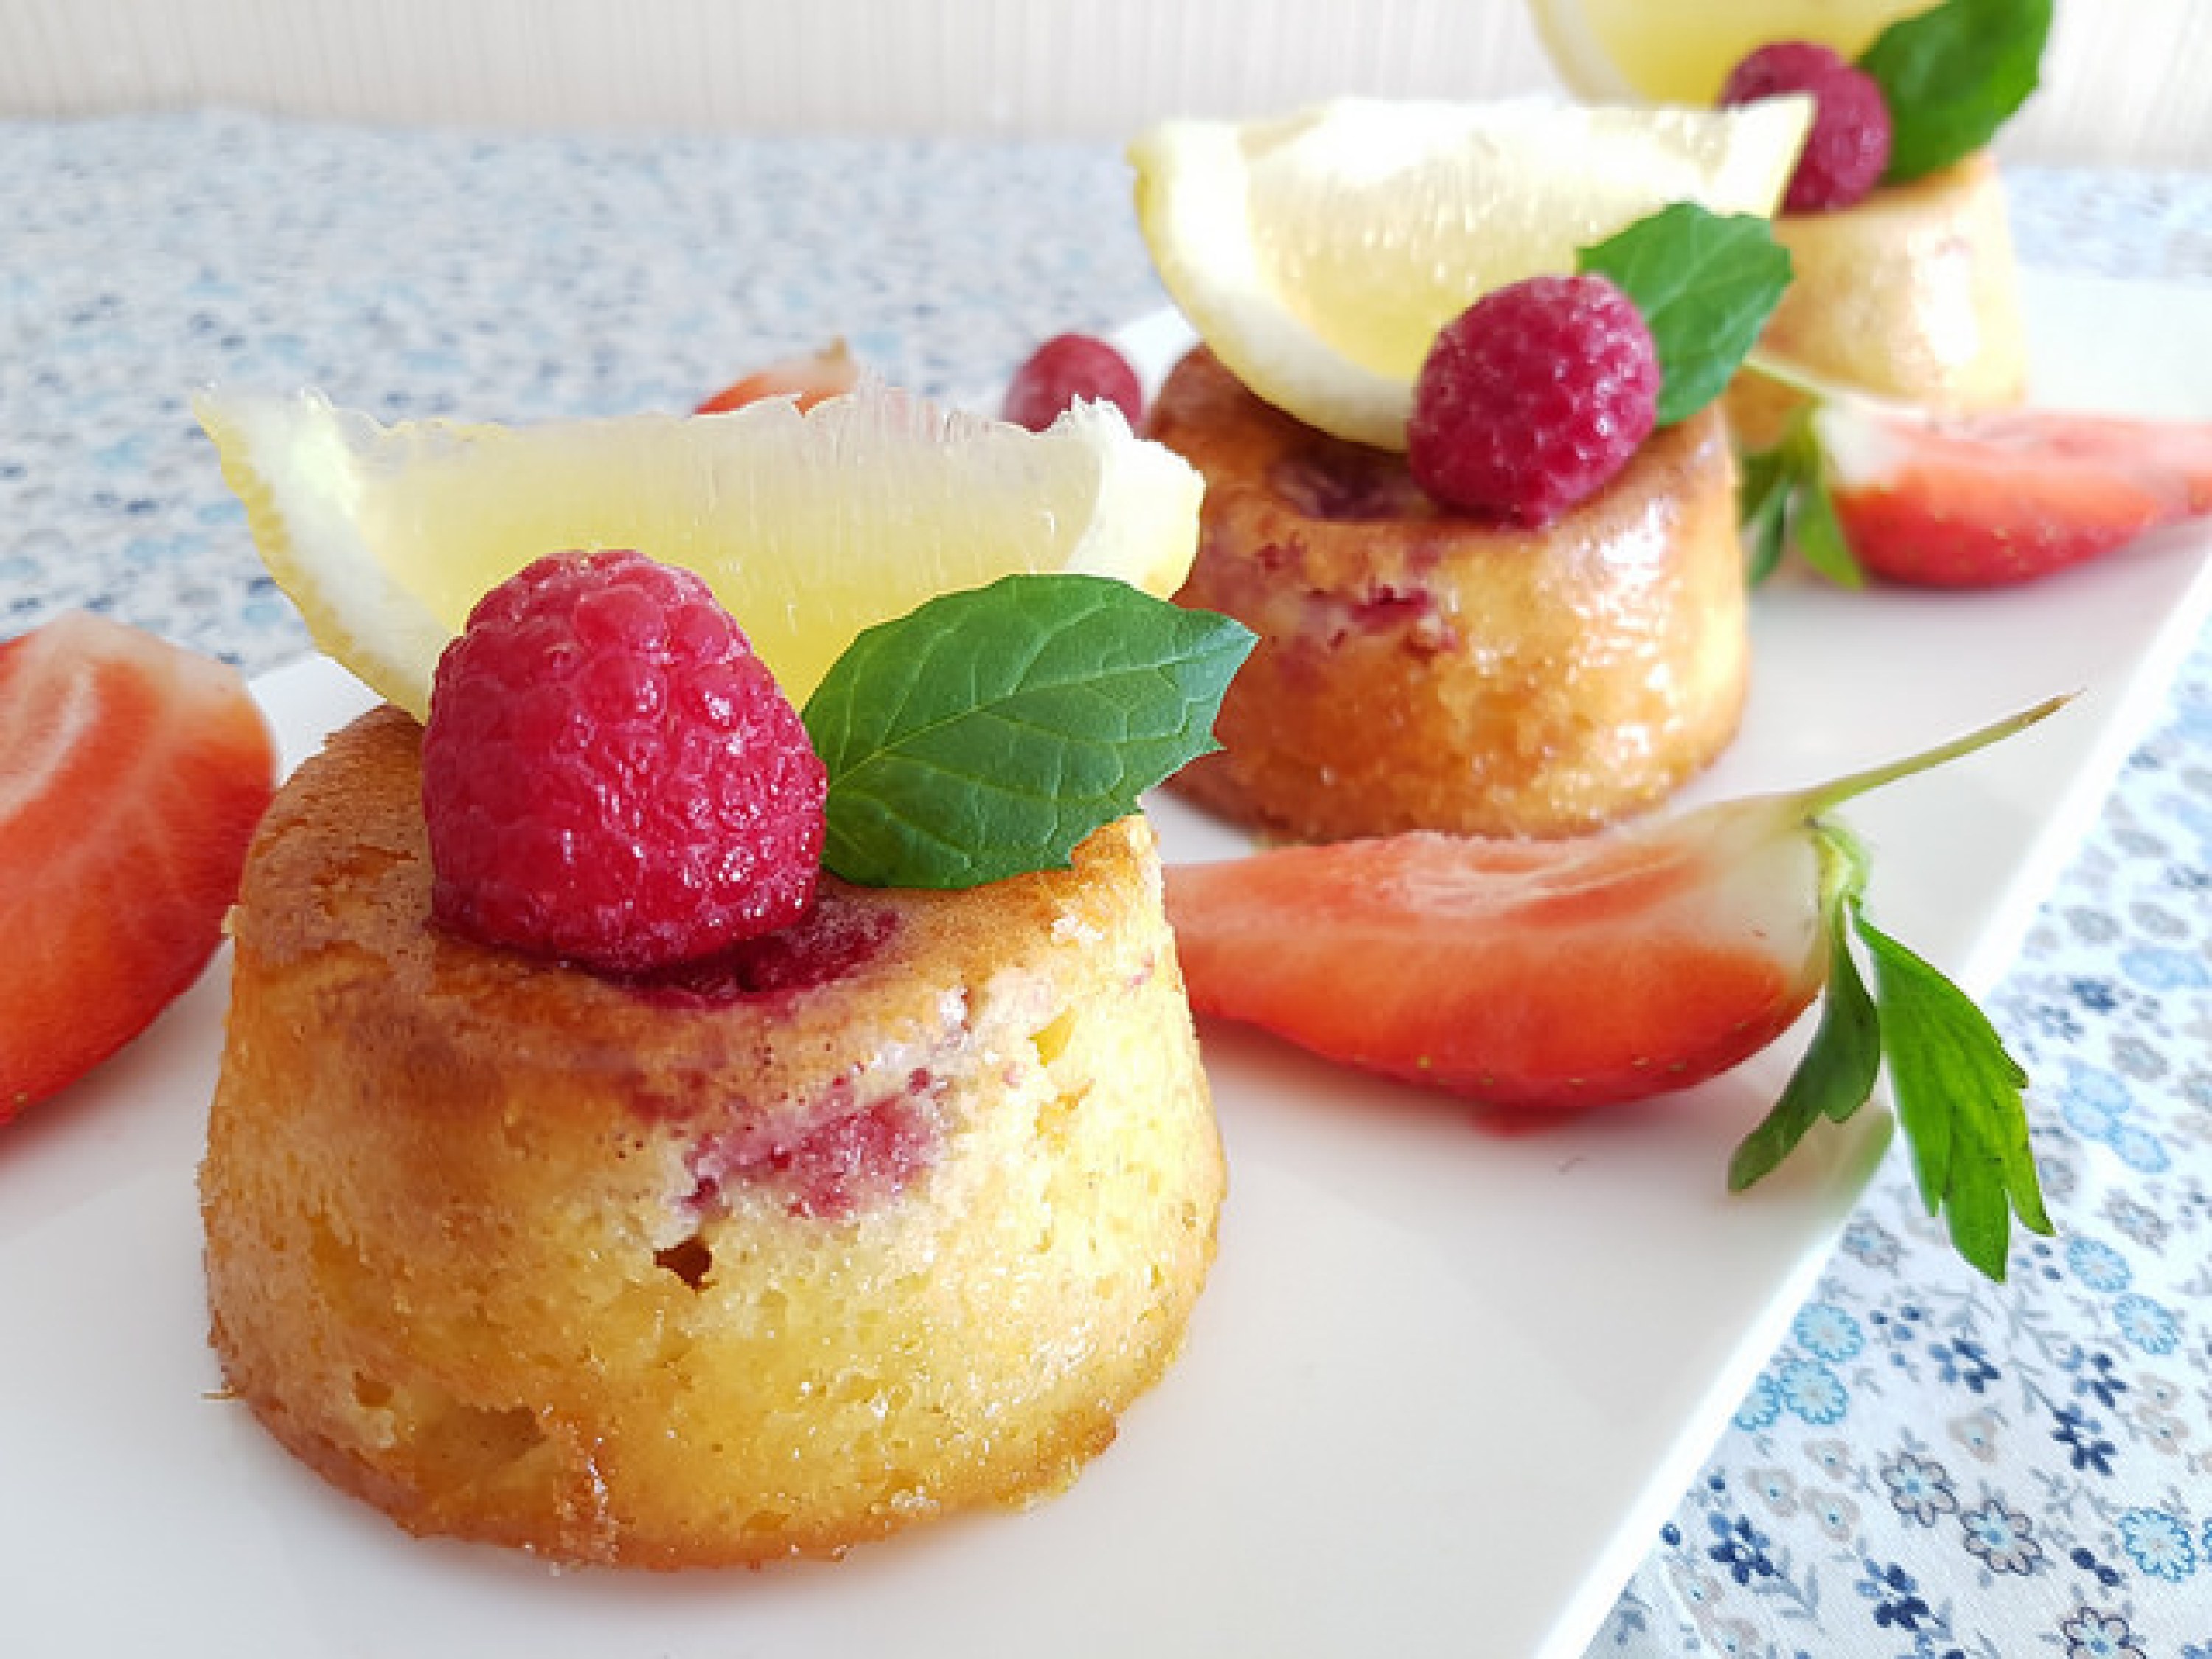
(884, 1215)
(1905, 281)
(1464, 479)
(1912, 294)
(1419, 668)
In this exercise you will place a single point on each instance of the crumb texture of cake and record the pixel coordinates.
(1912, 294)
(1419, 669)
(883, 1218)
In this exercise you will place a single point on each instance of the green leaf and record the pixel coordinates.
(1706, 284)
(989, 732)
(1762, 502)
(1960, 1102)
(1783, 500)
(1814, 529)
(1953, 75)
(1836, 1074)
(1959, 1095)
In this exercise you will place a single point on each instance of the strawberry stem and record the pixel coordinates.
(1781, 374)
(1835, 394)
(1811, 803)
(1806, 384)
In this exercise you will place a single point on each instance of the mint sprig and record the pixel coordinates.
(1835, 1076)
(1953, 75)
(988, 732)
(1783, 500)
(1706, 284)
(1959, 1102)
(1960, 1097)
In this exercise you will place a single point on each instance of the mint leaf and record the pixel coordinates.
(1960, 1097)
(1953, 75)
(1706, 284)
(1783, 500)
(1959, 1101)
(989, 732)
(1837, 1072)
(1814, 529)
(1762, 502)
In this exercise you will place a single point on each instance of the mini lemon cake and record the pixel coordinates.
(883, 1214)
(1419, 668)
(1904, 284)
(1912, 294)
(1906, 280)
(1455, 399)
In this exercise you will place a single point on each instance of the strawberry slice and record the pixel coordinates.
(829, 373)
(1984, 500)
(132, 774)
(1558, 975)
(1538, 975)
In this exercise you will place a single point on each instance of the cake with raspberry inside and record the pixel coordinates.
(1905, 282)
(591, 1172)
(1533, 622)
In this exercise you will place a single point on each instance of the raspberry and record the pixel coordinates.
(1848, 148)
(1533, 398)
(610, 776)
(1065, 368)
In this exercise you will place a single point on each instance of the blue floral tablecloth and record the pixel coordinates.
(1929, 1466)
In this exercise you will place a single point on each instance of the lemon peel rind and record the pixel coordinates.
(267, 444)
(1265, 345)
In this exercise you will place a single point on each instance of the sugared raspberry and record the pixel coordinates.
(1533, 398)
(610, 776)
(1848, 145)
(1065, 368)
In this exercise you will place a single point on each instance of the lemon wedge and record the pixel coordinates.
(809, 527)
(1318, 254)
(1626, 50)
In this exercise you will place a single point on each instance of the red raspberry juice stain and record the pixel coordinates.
(837, 937)
(849, 1154)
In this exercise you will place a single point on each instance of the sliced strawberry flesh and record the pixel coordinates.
(1987, 500)
(131, 775)
(1546, 975)
(829, 373)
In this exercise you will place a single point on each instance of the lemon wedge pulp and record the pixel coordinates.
(1625, 50)
(809, 527)
(1319, 255)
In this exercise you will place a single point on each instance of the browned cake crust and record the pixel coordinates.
(681, 1275)
(1418, 669)
(1913, 293)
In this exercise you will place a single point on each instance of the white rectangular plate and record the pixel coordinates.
(1443, 1387)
